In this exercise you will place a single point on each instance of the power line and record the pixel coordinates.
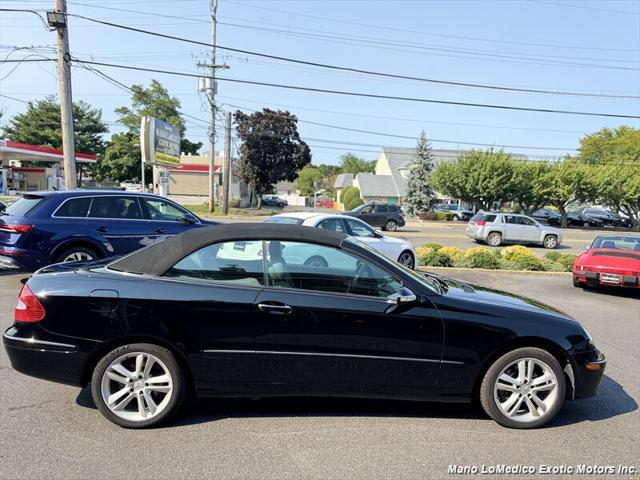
(356, 70)
(586, 7)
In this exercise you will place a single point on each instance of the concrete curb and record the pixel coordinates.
(488, 270)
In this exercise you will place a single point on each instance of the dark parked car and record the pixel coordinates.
(381, 215)
(577, 219)
(548, 216)
(199, 312)
(608, 218)
(456, 212)
(54, 226)
(273, 201)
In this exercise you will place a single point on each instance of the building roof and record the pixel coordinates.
(376, 185)
(192, 168)
(286, 186)
(343, 180)
(10, 150)
(158, 258)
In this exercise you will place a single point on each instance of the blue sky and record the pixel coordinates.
(564, 45)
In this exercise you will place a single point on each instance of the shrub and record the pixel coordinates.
(553, 256)
(516, 253)
(442, 216)
(563, 259)
(354, 202)
(529, 263)
(552, 266)
(480, 257)
(428, 216)
(344, 195)
(435, 258)
(433, 246)
(454, 253)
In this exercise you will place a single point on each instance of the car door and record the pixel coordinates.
(338, 330)
(530, 230)
(217, 287)
(381, 215)
(367, 214)
(366, 234)
(167, 218)
(119, 219)
(512, 228)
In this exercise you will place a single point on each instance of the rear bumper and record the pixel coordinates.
(56, 359)
(19, 259)
(595, 278)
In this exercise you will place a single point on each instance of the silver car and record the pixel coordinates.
(496, 228)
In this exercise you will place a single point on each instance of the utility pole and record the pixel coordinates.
(64, 90)
(211, 87)
(226, 168)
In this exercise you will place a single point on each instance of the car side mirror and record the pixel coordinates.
(378, 233)
(402, 297)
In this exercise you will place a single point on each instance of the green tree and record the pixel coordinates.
(122, 162)
(566, 182)
(618, 185)
(271, 149)
(40, 125)
(483, 177)
(350, 163)
(310, 180)
(607, 145)
(419, 193)
(527, 185)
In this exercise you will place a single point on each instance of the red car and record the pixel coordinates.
(612, 261)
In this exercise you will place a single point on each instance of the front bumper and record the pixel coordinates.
(588, 370)
(52, 359)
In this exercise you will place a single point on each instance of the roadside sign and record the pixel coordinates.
(160, 142)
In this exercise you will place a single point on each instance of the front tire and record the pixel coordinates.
(525, 388)
(391, 226)
(406, 259)
(139, 385)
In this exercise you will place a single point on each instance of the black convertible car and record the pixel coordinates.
(233, 310)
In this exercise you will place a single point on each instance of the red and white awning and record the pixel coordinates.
(10, 150)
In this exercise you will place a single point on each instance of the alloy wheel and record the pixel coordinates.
(550, 242)
(526, 390)
(406, 259)
(77, 257)
(391, 226)
(136, 386)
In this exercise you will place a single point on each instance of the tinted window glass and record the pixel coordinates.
(285, 220)
(367, 209)
(23, 205)
(163, 211)
(115, 207)
(334, 224)
(307, 266)
(238, 262)
(490, 218)
(477, 217)
(511, 219)
(381, 209)
(359, 229)
(75, 207)
(526, 221)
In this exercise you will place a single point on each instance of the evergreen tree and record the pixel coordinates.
(419, 193)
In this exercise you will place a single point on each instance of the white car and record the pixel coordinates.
(397, 249)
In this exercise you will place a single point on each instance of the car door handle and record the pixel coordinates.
(275, 309)
(102, 229)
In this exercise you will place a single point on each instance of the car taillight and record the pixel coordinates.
(29, 309)
(482, 223)
(17, 228)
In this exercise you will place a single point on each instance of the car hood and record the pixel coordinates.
(467, 292)
(396, 241)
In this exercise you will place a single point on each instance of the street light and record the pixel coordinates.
(56, 19)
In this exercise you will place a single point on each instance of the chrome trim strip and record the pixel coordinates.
(341, 355)
(33, 341)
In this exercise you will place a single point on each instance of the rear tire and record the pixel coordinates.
(76, 254)
(523, 389)
(494, 239)
(144, 382)
(391, 226)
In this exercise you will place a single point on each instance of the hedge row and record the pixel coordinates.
(514, 257)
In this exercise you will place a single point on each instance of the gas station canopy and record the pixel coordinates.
(10, 150)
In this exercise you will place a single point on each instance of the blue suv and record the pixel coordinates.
(50, 227)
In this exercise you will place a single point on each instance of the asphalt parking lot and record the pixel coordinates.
(54, 431)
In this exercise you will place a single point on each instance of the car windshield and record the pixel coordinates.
(430, 282)
(285, 220)
(617, 243)
(23, 205)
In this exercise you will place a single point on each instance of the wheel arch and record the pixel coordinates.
(521, 342)
(106, 347)
(410, 252)
(77, 242)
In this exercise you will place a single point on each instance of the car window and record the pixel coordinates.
(285, 220)
(490, 218)
(115, 207)
(511, 219)
(360, 229)
(366, 209)
(239, 262)
(308, 266)
(163, 211)
(23, 205)
(381, 209)
(74, 208)
(526, 221)
(334, 224)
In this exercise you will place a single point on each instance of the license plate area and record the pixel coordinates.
(609, 278)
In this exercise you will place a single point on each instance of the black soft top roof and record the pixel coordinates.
(160, 257)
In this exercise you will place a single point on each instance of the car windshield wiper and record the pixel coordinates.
(442, 284)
